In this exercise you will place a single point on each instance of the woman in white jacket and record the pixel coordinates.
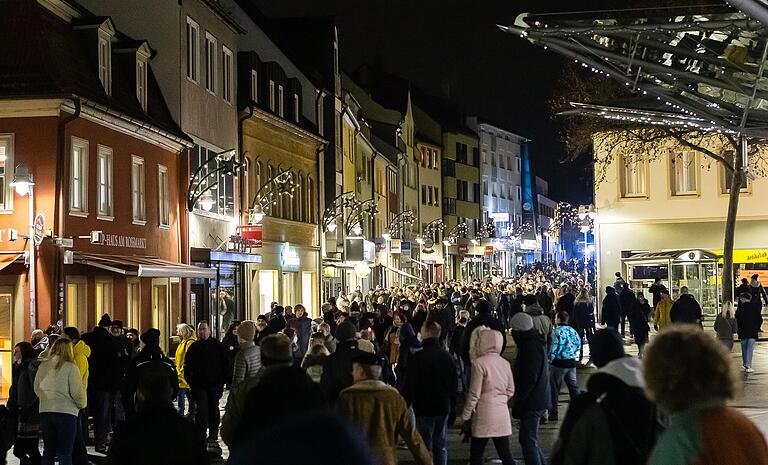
(59, 386)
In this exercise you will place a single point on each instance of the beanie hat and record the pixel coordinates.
(151, 337)
(247, 330)
(346, 331)
(276, 349)
(521, 322)
(607, 345)
(105, 321)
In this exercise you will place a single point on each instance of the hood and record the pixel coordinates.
(534, 309)
(489, 341)
(754, 283)
(81, 348)
(628, 369)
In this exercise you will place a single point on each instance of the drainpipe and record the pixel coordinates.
(319, 155)
(242, 180)
(59, 207)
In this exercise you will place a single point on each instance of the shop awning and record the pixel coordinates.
(145, 267)
(6, 258)
(401, 273)
(692, 255)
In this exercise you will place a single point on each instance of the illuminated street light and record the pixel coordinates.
(419, 240)
(22, 179)
(331, 226)
(446, 242)
(257, 214)
(387, 236)
(357, 229)
(207, 201)
(474, 242)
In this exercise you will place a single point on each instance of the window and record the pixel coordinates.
(632, 176)
(103, 303)
(254, 85)
(485, 187)
(162, 196)
(77, 302)
(517, 164)
(78, 178)
(137, 190)
(226, 74)
(272, 95)
(296, 113)
(431, 195)
(105, 62)
(210, 63)
(223, 191)
(424, 194)
(725, 181)
(493, 142)
(105, 183)
(462, 190)
(6, 171)
(436, 203)
(519, 193)
(141, 82)
(134, 303)
(684, 173)
(193, 54)
(280, 101)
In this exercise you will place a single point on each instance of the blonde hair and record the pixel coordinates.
(185, 331)
(728, 309)
(62, 349)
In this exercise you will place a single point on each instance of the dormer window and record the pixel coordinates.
(142, 70)
(272, 95)
(280, 101)
(254, 86)
(105, 60)
(296, 113)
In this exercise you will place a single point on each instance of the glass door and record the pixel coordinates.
(6, 340)
(160, 310)
(710, 293)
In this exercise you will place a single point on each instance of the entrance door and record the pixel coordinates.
(289, 289)
(267, 289)
(160, 309)
(6, 339)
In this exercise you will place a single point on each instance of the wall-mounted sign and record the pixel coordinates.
(463, 249)
(248, 236)
(488, 250)
(499, 217)
(357, 249)
(117, 240)
(405, 248)
(39, 225)
(394, 246)
(9, 234)
(289, 258)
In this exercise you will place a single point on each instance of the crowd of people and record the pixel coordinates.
(394, 368)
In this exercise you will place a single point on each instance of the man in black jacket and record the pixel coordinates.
(531, 375)
(337, 368)
(685, 309)
(104, 378)
(150, 358)
(482, 317)
(204, 370)
(430, 388)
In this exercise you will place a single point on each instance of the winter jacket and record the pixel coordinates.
(565, 303)
(247, 363)
(656, 290)
(430, 381)
(710, 433)
(748, 320)
(661, 314)
(627, 300)
(491, 386)
(337, 370)
(60, 389)
(758, 292)
(481, 319)
(179, 358)
(565, 347)
(613, 423)
(104, 369)
(638, 322)
(157, 435)
(685, 310)
(303, 327)
(205, 364)
(150, 357)
(725, 327)
(583, 315)
(541, 323)
(611, 310)
(531, 373)
(545, 301)
(381, 415)
(22, 400)
(81, 352)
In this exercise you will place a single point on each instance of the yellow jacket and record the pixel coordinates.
(661, 314)
(181, 355)
(81, 352)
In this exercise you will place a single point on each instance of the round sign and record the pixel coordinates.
(39, 228)
(428, 243)
(527, 206)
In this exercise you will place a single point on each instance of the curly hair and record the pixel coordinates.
(685, 366)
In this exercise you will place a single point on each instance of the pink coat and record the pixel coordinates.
(490, 388)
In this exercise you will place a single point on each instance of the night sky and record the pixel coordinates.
(442, 44)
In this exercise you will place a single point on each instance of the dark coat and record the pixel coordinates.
(638, 322)
(656, 290)
(758, 292)
(611, 311)
(303, 327)
(481, 319)
(205, 364)
(748, 319)
(583, 315)
(157, 435)
(627, 300)
(545, 301)
(565, 303)
(531, 373)
(104, 367)
(337, 370)
(150, 358)
(231, 347)
(22, 400)
(685, 310)
(430, 381)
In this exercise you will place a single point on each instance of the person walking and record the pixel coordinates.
(691, 377)
(757, 290)
(656, 290)
(583, 320)
(59, 387)
(627, 300)
(490, 388)
(204, 369)
(23, 404)
(638, 322)
(611, 310)
(726, 326)
(337, 369)
(80, 352)
(661, 311)
(248, 358)
(685, 309)
(186, 335)
(302, 324)
(531, 378)
(380, 412)
(562, 362)
(748, 322)
(150, 357)
(430, 389)
(482, 317)
(541, 322)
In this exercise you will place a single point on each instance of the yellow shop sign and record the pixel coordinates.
(747, 255)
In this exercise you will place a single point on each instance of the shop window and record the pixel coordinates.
(6, 337)
(6, 171)
(160, 309)
(267, 289)
(103, 298)
(133, 310)
(307, 291)
(76, 303)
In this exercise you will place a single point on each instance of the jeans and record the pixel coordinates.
(184, 394)
(747, 347)
(477, 447)
(529, 437)
(586, 333)
(59, 430)
(79, 452)
(556, 377)
(100, 404)
(207, 415)
(434, 432)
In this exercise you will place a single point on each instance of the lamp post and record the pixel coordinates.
(23, 183)
(587, 215)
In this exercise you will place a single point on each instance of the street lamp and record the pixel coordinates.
(331, 226)
(206, 201)
(387, 236)
(357, 229)
(23, 185)
(419, 240)
(257, 213)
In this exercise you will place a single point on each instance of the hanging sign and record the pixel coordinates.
(39, 228)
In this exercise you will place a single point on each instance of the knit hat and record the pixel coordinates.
(151, 337)
(346, 331)
(105, 321)
(607, 345)
(247, 330)
(118, 323)
(521, 322)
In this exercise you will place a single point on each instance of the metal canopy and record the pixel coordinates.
(704, 64)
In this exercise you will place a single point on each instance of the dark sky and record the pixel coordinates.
(436, 43)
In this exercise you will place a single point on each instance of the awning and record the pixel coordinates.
(6, 258)
(687, 255)
(420, 263)
(145, 267)
(401, 272)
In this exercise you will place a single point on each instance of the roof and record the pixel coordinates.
(225, 15)
(389, 90)
(44, 57)
(450, 115)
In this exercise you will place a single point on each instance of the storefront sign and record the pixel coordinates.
(369, 251)
(488, 250)
(499, 217)
(357, 249)
(289, 258)
(116, 240)
(39, 228)
(406, 249)
(463, 249)
(747, 255)
(394, 246)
